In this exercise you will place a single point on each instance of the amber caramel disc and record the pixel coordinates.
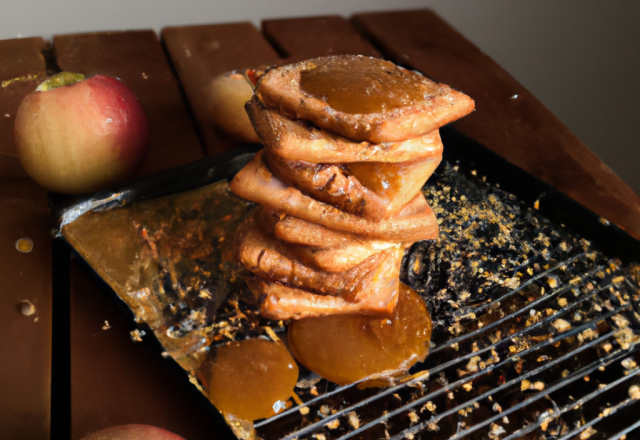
(252, 379)
(347, 348)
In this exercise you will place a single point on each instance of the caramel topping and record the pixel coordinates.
(361, 85)
(392, 180)
(347, 348)
(252, 379)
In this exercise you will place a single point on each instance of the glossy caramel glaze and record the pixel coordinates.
(347, 348)
(252, 379)
(361, 85)
(395, 183)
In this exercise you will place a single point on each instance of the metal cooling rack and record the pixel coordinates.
(555, 357)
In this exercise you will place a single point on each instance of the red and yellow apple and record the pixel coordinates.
(77, 135)
(132, 432)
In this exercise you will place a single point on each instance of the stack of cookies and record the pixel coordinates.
(349, 143)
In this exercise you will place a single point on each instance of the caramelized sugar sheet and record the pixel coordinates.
(169, 259)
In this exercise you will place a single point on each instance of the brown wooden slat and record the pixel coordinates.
(116, 381)
(520, 129)
(137, 58)
(199, 53)
(22, 68)
(310, 37)
(25, 363)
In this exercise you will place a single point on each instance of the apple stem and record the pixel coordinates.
(59, 80)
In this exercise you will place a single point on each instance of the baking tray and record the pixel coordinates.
(470, 158)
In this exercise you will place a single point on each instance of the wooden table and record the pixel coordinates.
(65, 373)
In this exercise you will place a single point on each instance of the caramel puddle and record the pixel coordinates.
(347, 348)
(252, 379)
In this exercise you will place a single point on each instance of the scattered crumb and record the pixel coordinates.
(496, 431)
(413, 417)
(272, 334)
(587, 334)
(512, 283)
(587, 433)
(620, 321)
(634, 392)
(26, 307)
(538, 385)
(472, 365)
(618, 280)
(136, 335)
(525, 385)
(625, 338)
(334, 424)
(354, 420)
(544, 425)
(629, 364)
(205, 294)
(106, 325)
(429, 406)
(456, 329)
(561, 325)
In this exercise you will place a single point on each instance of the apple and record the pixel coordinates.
(226, 96)
(76, 135)
(132, 432)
